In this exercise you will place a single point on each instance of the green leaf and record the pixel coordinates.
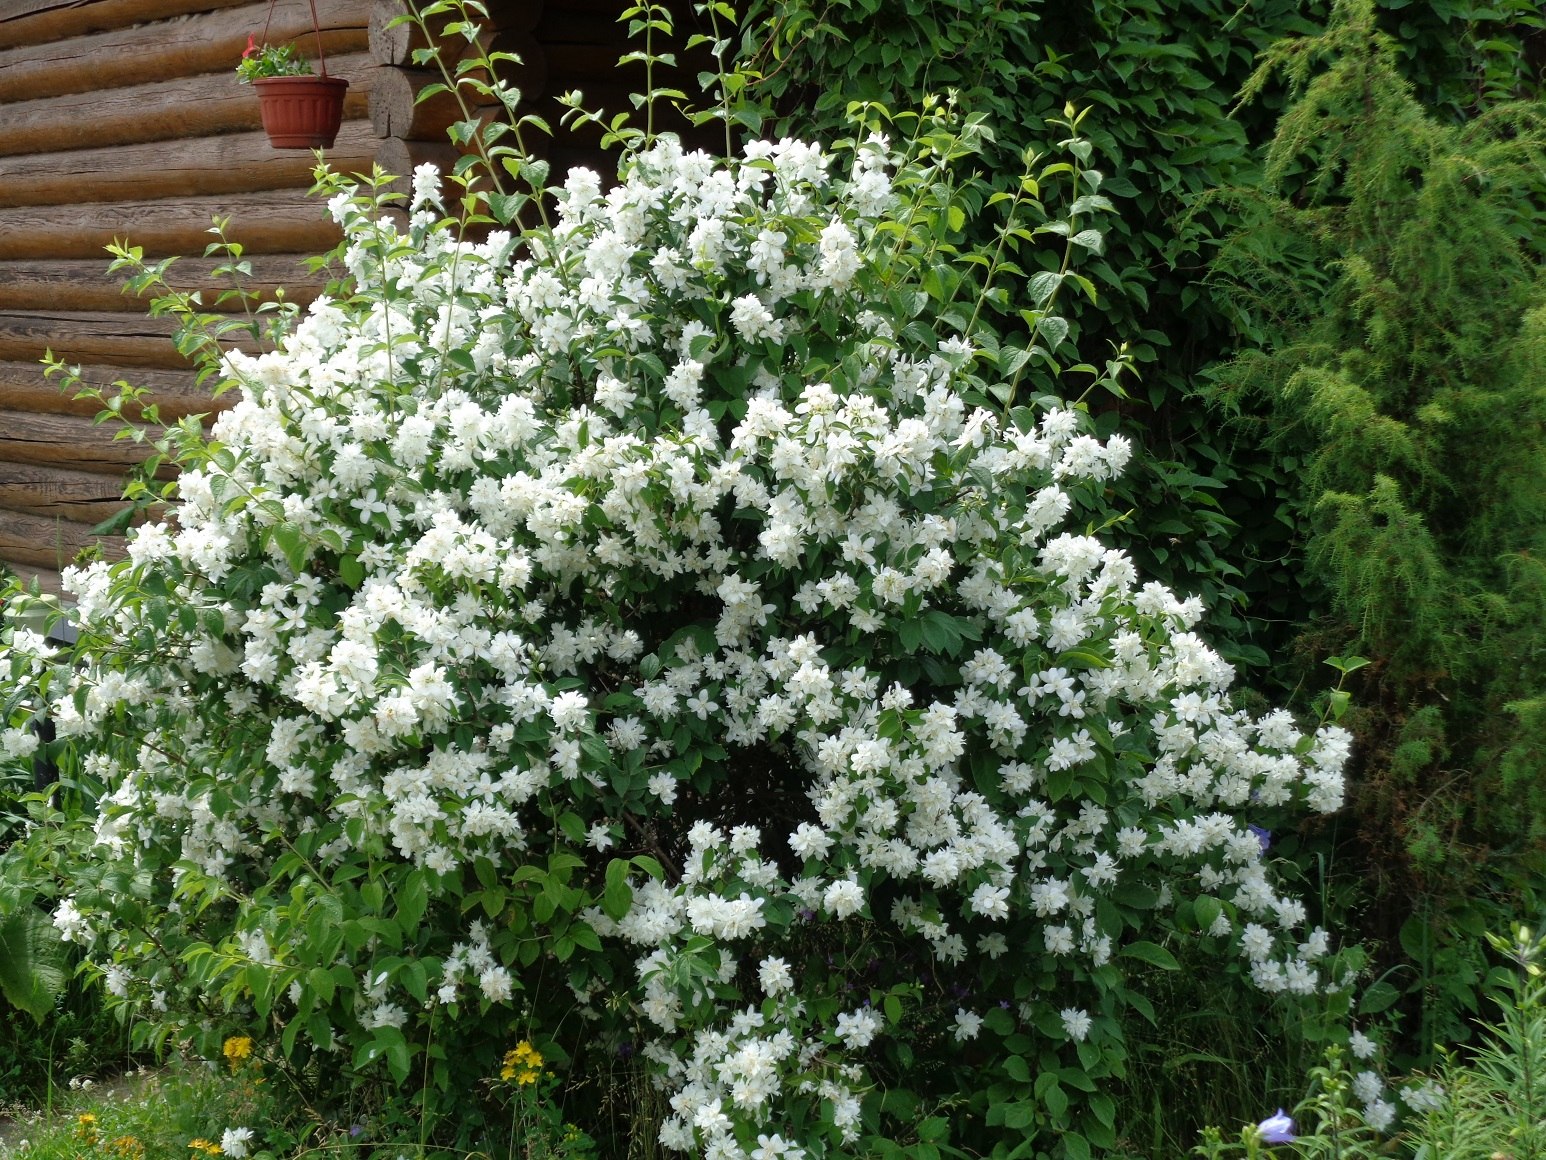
(292, 543)
(32, 971)
(351, 572)
(1042, 286)
(1151, 953)
(412, 899)
(1207, 910)
(1056, 1101)
(1020, 1115)
(390, 1040)
(1379, 996)
(321, 982)
(618, 896)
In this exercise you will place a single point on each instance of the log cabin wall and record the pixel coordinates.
(122, 119)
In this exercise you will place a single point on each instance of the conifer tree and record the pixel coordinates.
(1398, 259)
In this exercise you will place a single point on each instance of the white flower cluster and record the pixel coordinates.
(563, 525)
(1420, 1095)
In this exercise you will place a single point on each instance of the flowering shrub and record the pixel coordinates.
(668, 632)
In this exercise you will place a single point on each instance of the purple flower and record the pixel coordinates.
(1278, 1129)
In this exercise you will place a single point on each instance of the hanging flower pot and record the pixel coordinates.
(301, 112)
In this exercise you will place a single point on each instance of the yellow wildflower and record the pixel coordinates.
(129, 1147)
(237, 1048)
(522, 1064)
(208, 1147)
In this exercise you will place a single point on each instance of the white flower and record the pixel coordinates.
(810, 841)
(663, 786)
(234, 1141)
(843, 898)
(569, 711)
(858, 1028)
(700, 705)
(991, 901)
(17, 743)
(1368, 1086)
(116, 979)
(496, 984)
(752, 320)
(1380, 1114)
(1076, 1023)
(69, 921)
(968, 1024)
(385, 1015)
(773, 975)
(1427, 1096)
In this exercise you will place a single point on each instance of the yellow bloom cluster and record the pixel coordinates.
(523, 1064)
(128, 1148)
(237, 1049)
(86, 1128)
(208, 1147)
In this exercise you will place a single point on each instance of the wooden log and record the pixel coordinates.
(174, 392)
(200, 106)
(274, 222)
(400, 158)
(83, 496)
(187, 46)
(395, 110)
(50, 544)
(127, 340)
(40, 21)
(69, 442)
(395, 113)
(232, 163)
(85, 284)
(392, 43)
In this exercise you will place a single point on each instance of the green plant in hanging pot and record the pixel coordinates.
(261, 61)
(301, 109)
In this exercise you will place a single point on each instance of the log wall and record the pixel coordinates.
(122, 119)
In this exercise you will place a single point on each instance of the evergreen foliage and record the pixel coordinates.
(1400, 259)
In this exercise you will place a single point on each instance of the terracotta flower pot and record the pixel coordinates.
(301, 112)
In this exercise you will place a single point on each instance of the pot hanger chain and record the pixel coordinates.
(316, 26)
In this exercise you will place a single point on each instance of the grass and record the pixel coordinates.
(141, 1116)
